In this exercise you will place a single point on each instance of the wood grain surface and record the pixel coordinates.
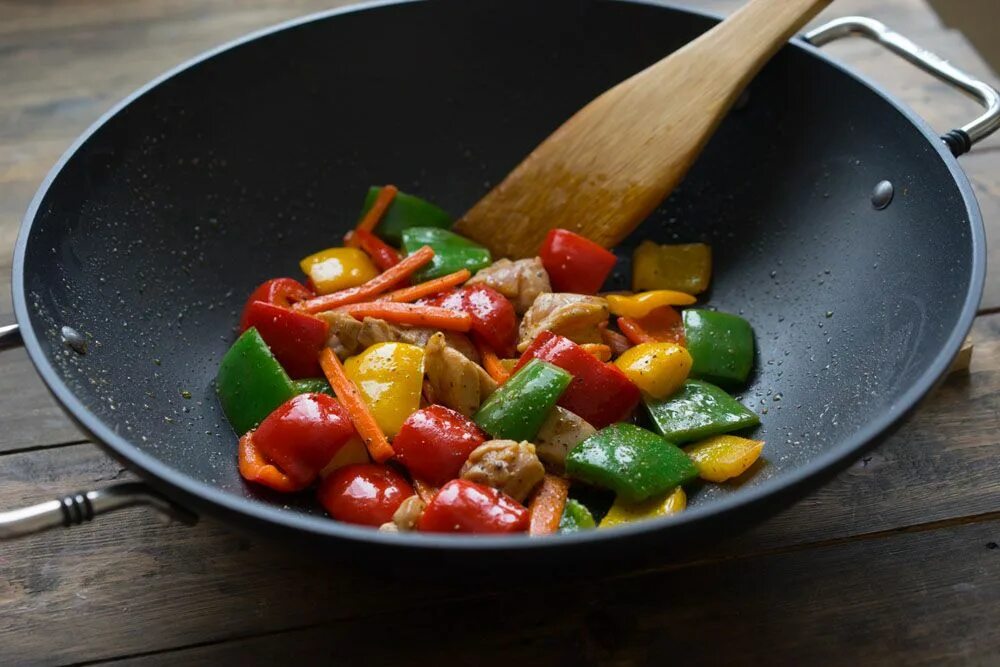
(894, 562)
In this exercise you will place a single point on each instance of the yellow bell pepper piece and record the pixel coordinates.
(389, 377)
(639, 305)
(352, 451)
(685, 267)
(335, 269)
(723, 457)
(658, 369)
(621, 513)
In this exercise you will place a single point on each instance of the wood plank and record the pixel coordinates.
(192, 585)
(811, 607)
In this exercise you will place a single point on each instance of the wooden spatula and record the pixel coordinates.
(606, 168)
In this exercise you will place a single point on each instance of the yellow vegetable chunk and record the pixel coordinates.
(335, 269)
(621, 513)
(389, 377)
(352, 451)
(640, 305)
(658, 369)
(723, 457)
(684, 267)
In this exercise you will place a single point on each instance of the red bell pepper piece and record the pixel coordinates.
(574, 263)
(279, 292)
(364, 493)
(493, 317)
(383, 255)
(294, 337)
(599, 393)
(435, 441)
(466, 507)
(660, 325)
(295, 442)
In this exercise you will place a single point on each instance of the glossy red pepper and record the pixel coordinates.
(599, 393)
(364, 493)
(295, 442)
(660, 325)
(493, 317)
(279, 292)
(435, 441)
(466, 507)
(574, 263)
(295, 338)
(383, 255)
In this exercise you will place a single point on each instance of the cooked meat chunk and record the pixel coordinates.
(576, 316)
(561, 432)
(408, 514)
(521, 281)
(512, 467)
(348, 336)
(455, 381)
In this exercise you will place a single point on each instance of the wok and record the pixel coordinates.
(146, 237)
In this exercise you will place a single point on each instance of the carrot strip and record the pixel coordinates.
(547, 505)
(383, 282)
(254, 468)
(491, 362)
(376, 442)
(412, 314)
(424, 490)
(383, 255)
(602, 352)
(378, 209)
(420, 290)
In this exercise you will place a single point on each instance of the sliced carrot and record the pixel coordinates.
(381, 283)
(412, 314)
(547, 505)
(602, 352)
(491, 362)
(383, 255)
(420, 290)
(378, 209)
(254, 468)
(661, 325)
(424, 490)
(362, 418)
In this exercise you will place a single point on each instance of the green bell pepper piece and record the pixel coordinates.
(250, 382)
(312, 386)
(517, 410)
(720, 344)
(634, 463)
(696, 411)
(575, 517)
(404, 212)
(451, 252)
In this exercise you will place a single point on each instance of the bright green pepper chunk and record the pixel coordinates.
(312, 386)
(404, 212)
(576, 517)
(697, 411)
(250, 382)
(451, 252)
(517, 410)
(720, 344)
(634, 463)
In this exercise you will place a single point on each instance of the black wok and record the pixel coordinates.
(152, 229)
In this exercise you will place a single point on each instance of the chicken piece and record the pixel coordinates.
(561, 432)
(455, 381)
(349, 336)
(507, 465)
(521, 281)
(575, 316)
(408, 514)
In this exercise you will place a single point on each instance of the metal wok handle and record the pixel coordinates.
(959, 140)
(77, 508)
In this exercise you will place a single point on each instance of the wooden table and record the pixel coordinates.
(897, 561)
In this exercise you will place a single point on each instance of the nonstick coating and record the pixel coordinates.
(152, 231)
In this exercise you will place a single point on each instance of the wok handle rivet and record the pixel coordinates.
(882, 195)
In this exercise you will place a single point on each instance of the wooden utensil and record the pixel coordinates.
(606, 168)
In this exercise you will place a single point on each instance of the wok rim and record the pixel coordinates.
(218, 501)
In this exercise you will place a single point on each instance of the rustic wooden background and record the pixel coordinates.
(896, 561)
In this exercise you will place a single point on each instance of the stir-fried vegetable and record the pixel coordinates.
(723, 457)
(451, 251)
(574, 263)
(684, 267)
(467, 507)
(364, 493)
(390, 377)
(517, 410)
(622, 512)
(720, 344)
(641, 304)
(403, 212)
(575, 517)
(250, 382)
(434, 443)
(698, 410)
(658, 369)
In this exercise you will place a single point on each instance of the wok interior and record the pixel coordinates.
(156, 230)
